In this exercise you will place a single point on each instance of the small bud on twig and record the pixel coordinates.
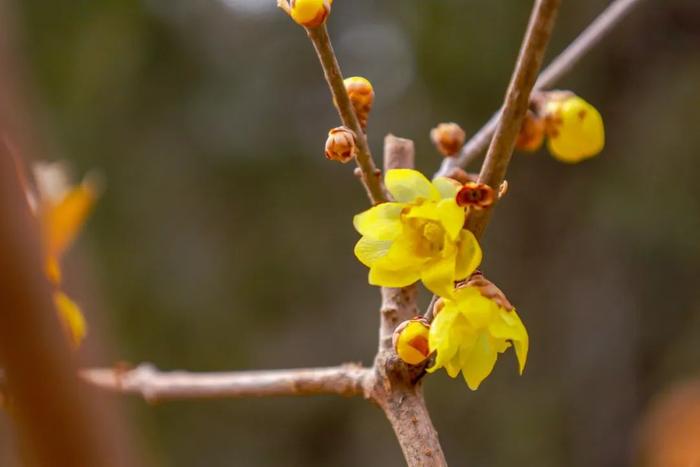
(448, 138)
(410, 341)
(340, 145)
(475, 195)
(309, 13)
(361, 95)
(531, 133)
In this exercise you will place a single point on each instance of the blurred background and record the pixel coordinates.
(224, 239)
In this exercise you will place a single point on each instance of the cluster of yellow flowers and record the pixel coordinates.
(61, 210)
(420, 236)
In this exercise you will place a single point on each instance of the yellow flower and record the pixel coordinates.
(418, 236)
(310, 13)
(62, 210)
(575, 128)
(410, 341)
(470, 331)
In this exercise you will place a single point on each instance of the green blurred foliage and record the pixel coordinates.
(224, 240)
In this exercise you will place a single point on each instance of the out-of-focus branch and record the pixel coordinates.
(562, 64)
(331, 70)
(55, 414)
(516, 103)
(155, 385)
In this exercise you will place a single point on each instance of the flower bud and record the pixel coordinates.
(448, 138)
(361, 94)
(574, 127)
(410, 341)
(476, 195)
(310, 13)
(340, 145)
(531, 133)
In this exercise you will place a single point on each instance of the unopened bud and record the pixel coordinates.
(448, 138)
(531, 133)
(340, 145)
(476, 195)
(574, 127)
(361, 94)
(410, 341)
(310, 13)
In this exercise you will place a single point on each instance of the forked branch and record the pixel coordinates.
(562, 64)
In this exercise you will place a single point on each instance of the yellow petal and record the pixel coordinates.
(382, 222)
(369, 250)
(407, 185)
(438, 276)
(62, 221)
(389, 278)
(448, 187)
(468, 255)
(71, 318)
(426, 211)
(509, 326)
(451, 217)
(478, 363)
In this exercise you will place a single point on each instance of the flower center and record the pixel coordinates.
(434, 236)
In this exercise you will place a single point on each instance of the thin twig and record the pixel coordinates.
(155, 385)
(516, 103)
(562, 64)
(331, 70)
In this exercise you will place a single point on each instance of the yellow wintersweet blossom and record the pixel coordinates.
(417, 236)
(470, 331)
(575, 128)
(61, 210)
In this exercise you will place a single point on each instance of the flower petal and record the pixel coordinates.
(478, 363)
(407, 185)
(382, 222)
(62, 221)
(369, 250)
(438, 276)
(389, 278)
(71, 318)
(451, 217)
(468, 255)
(448, 187)
(509, 326)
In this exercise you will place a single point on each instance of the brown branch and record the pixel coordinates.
(562, 64)
(155, 385)
(331, 70)
(58, 421)
(516, 103)
(395, 386)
